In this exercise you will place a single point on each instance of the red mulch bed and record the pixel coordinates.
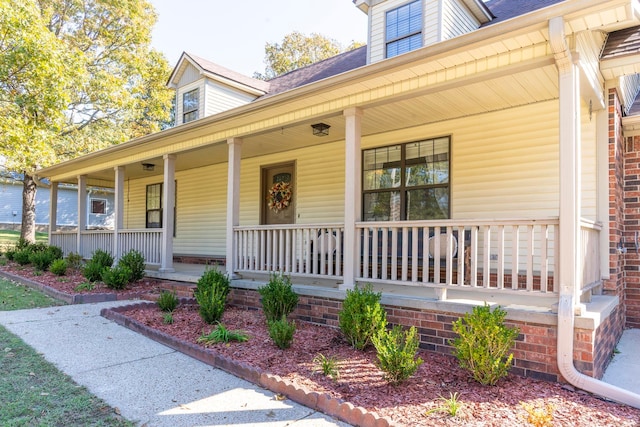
(361, 382)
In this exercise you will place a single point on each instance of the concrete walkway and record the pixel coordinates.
(624, 369)
(149, 383)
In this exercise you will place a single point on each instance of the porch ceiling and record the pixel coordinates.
(505, 91)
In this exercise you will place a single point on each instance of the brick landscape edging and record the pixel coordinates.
(338, 408)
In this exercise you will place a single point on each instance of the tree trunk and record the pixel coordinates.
(28, 230)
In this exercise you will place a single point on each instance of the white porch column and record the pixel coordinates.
(169, 200)
(569, 152)
(53, 209)
(118, 209)
(233, 202)
(82, 211)
(352, 194)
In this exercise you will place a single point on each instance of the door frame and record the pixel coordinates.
(263, 186)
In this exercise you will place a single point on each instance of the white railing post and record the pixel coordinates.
(169, 199)
(233, 201)
(53, 209)
(118, 210)
(352, 194)
(82, 211)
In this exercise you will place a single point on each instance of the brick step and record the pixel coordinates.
(181, 289)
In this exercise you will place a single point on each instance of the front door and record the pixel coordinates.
(278, 192)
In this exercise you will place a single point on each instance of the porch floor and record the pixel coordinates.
(398, 295)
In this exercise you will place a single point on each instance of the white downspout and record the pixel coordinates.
(568, 273)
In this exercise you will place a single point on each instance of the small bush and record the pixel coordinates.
(102, 258)
(222, 334)
(397, 353)
(116, 277)
(281, 332)
(211, 295)
(92, 271)
(451, 405)
(41, 260)
(539, 416)
(9, 253)
(167, 318)
(135, 261)
(362, 316)
(74, 261)
(167, 301)
(327, 365)
(55, 252)
(58, 267)
(483, 344)
(86, 286)
(21, 256)
(278, 297)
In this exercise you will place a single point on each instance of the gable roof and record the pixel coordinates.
(330, 67)
(507, 9)
(216, 72)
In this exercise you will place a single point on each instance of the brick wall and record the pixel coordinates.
(535, 352)
(631, 228)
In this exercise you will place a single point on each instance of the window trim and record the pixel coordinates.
(387, 41)
(98, 199)
(146, 201)
(403, 189)
(193, 110)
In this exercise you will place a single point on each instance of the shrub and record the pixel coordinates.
(58, 267)
(222, 334)
(397, 353)
(327, 365)
(362, 316)
(74, 261)
(539, 416)
(9, 253)
(167, 318)
(281, 332)
(278, 298)
(21, 256)
(41, 260)
(116, 277)
(55, 252)
(92, 271)
(167, 301)
(102, 258)
(135, 261)
(211, 295)
(37, 247)
(86, 286)
(483, 343)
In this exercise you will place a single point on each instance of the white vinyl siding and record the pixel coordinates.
(191, 74)
(221, 98)
(456, 20)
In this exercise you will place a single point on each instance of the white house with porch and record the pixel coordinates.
(469, 152)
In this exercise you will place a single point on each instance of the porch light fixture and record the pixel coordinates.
(320, 129)
(148, 167)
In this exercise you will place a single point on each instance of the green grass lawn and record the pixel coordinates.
(32, 391)
(9, 237)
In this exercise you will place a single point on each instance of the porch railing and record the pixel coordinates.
(590, 255)
(146, 241)
(298, 249)
(505, 255)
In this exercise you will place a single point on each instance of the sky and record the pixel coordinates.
(233, 33)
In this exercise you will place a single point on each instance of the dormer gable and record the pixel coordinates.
(204, 88)
(400, 26)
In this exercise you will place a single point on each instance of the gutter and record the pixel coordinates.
(569, 211)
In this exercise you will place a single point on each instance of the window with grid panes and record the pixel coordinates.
(403, 29)
(406, 181)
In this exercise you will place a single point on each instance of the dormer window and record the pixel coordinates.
(404, 29)
(190, 103)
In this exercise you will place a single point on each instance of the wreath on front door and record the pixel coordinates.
(279, 196)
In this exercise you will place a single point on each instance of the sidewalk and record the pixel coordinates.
(149, 383)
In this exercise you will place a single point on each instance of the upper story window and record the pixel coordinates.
(404, 29)
(190, 103)
(406, 181)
